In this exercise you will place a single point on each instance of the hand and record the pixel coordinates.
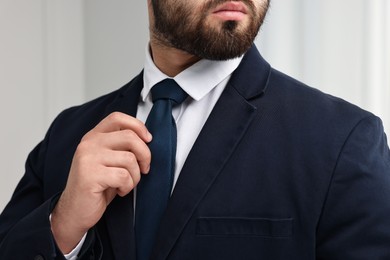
(107, 162)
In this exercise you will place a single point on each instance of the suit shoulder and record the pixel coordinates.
(89, 110)
(301, 98)
(83, 117)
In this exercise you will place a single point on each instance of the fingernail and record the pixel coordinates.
(147, 169)
(149, 136)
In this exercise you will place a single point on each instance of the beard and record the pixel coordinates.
(177, 26)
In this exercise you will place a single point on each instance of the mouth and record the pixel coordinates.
(231, 11)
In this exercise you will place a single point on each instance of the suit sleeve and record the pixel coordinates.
(355, 221)
(25, 231)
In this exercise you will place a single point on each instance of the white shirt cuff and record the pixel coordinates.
(73, 254)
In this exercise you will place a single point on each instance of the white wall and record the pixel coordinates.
(41, 72)
(22, 88)
(57, 53)
(116, 35)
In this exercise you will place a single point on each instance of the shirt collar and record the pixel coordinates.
(197, 80)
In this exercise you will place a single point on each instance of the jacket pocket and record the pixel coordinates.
(262, 227)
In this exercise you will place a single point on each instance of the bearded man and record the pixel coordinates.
(209, 153)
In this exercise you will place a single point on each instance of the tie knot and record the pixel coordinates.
(168, 89)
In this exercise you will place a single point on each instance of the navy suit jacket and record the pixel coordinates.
(279, 171)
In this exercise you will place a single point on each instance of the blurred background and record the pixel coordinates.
(59, 53)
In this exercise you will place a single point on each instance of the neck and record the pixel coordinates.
(169, 60)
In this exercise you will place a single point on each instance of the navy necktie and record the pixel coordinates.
(154, 189)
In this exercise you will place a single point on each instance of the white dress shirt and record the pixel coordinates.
(204, 82)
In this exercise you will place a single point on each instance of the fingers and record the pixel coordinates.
(120, 132)
(123, 160)
(117, 121)
(118, 180)
(129, 141)
(108, 162)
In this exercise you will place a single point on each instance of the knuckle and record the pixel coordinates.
(86, 147)
(138, 124)
(130, 184)
(115, 116)
(130, 158)
(148, 155)
(136, 173)
(81, 157)
(122, 174)
(126, 178)
(133, 168)
(136, 178)
(145, 156)
(84, 144)
(129, 135)
(88, 139)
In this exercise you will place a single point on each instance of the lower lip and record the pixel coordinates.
(230, 15)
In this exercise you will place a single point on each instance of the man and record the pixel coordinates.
(265, 168)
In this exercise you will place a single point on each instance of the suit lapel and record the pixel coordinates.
(224, 129)
(119, 215)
